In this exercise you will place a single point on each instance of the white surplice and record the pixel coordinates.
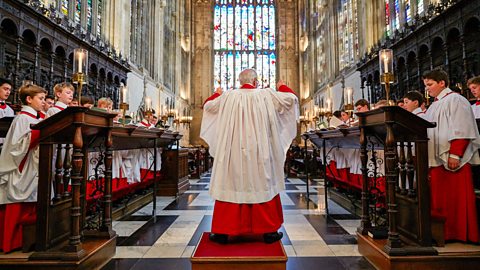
(476, 110)
(5, 112)
(455, 120)
(16, 186)
(249, 132)
(58, 107)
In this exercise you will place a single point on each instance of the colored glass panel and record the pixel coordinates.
(78, 10)
(89, 15)
(244, 37)
(64, 7)
(397, 14)
(420, 7)
(99, 17)
(408, 10)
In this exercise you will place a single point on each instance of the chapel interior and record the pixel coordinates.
(164, 58)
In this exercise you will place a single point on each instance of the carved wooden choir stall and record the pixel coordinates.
(403, 138)
(71, 230)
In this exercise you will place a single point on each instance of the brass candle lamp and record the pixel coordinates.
(124, 104)
(80, 66)
(348, 97)
(386, 71)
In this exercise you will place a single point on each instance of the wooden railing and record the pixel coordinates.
(61, 210)
(400, 134)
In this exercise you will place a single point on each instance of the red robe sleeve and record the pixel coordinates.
(286, 89)
(458, 147)
(34, 140)
(212, 97)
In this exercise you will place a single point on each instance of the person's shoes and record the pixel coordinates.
(218, 238)
(272, 237)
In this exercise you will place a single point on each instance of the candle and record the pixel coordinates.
(328, 105)
(385, 63)
(124, 94)
(148, 104)
(80, 58)
(349, 96)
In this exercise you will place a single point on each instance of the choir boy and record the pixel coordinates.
(64, 95)
(474, 85)
(413, 102)
(452, 149)
(5, 89)
(19, 169)
(5, 110)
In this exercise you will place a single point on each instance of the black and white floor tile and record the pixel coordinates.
(311, 238)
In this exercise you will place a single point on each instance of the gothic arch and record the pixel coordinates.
(455, 58)
(471, 32)
(401, 78)
(9, 28)
(437, 53)
(29, 38)
(412, 69)
(46, 45)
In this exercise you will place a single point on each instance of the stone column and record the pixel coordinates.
(287, 43)
(202, 62)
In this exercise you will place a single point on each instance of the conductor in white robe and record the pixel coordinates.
(249, 131)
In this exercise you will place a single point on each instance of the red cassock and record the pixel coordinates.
(14, 215)
(235, 219)
(453, 197)
(12, 218)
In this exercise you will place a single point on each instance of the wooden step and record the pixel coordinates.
(243, 254)
(452, 256)
(98, 253)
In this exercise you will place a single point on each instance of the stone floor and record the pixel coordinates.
(311, 239)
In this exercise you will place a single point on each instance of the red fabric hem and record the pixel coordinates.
(235, 219)
(458, 146)
(12, 218)
(453, 197)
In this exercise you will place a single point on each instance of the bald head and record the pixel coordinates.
(248, 76)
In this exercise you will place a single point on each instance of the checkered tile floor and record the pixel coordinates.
(310, 237)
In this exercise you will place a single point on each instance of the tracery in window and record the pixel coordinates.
(89, 15)
(244, 37)
(420, 7)
(347, 28)
(408, 10)
(78, 10)
(64, 7)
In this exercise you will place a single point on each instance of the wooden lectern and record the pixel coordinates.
(59, 226)
(408, 193)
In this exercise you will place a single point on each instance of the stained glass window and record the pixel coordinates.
(397, 14)
(244, 37)
(420, 7)
(408, 10)
(65, 7)
(89, 15)
(387, 18)
(78, 10)
(347, 27)
(99, 17)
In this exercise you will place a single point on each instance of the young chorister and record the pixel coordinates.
(147, 121)
(105, 103)
(19, 169)
(474, 85)
(64, 95)
(5, 110)
(5, 88)
(413, 102)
